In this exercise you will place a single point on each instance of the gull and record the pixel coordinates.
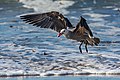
(57, 22)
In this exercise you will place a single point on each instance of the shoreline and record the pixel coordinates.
(57, 75)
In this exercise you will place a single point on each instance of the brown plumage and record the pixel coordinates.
(56, 21)
(53, 20)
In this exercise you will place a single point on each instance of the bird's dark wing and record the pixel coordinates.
(53, 20)
(82, 28)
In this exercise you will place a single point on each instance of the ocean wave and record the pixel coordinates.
(47, 5)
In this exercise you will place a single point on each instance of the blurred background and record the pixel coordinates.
(22, 44)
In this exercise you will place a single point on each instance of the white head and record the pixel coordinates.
(63, 31)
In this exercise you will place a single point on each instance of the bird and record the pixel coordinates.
(59, 23)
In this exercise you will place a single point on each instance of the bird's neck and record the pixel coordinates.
(68, 34)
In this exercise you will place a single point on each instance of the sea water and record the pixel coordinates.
(26, 49)
(64, 78)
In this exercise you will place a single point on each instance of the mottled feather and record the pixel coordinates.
(53, 20)
(82, 28)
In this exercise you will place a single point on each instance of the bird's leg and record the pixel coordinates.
(80, 47)
(86, 48)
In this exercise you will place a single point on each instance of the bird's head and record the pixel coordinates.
(63, 31)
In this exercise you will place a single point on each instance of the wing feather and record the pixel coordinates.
(82, 28)
(53, 20)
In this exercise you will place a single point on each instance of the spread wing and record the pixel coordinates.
(82, 28)
(53, 20)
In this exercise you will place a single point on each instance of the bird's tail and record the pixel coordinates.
(96, 41)
(93, 41)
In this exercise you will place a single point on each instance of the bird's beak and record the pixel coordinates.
(59, 34)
